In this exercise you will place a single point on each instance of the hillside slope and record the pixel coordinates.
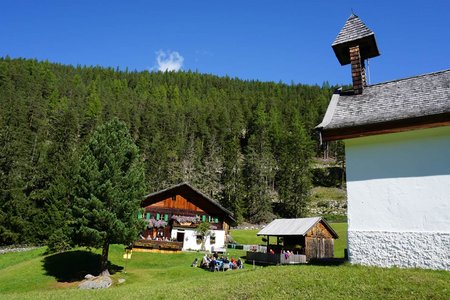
(245, 143)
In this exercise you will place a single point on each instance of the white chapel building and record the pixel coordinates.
(397, 147)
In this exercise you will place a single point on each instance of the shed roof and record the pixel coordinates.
(391, 105)
(284, 227)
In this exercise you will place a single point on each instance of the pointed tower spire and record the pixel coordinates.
(355, 43)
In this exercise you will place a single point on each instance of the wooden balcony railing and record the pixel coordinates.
(161, 245)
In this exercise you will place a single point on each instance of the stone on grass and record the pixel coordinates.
(99, 282)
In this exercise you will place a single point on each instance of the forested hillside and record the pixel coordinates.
(247, 144)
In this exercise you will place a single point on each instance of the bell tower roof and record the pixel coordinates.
(355, 33)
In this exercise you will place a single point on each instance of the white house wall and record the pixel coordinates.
(190, 239)
(399, 199)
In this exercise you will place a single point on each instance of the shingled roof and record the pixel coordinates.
(353, 29)
(392, 106)
(355, 32)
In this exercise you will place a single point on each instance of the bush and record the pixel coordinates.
(58, 242)
(328, 176)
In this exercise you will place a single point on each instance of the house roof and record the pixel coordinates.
(184, 189)
(355, 32)
(284, 227)
(398, 105)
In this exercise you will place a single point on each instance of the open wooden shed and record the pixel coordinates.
(312, 237)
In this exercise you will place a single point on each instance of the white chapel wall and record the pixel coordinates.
(399, 198)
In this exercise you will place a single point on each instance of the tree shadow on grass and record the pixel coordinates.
(331, 262)
(74, 265)
(327, 262)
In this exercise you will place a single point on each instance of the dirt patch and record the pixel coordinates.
(65, 285)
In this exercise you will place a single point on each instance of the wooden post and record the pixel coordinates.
(127, 256)
(125, 268)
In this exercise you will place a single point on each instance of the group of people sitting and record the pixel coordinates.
(286, 253)
(214, 263)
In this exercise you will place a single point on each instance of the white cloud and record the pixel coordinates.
(168, 61)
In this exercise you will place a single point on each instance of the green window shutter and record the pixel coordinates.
(139, 215)
(216, 220)
(147, 216)
(157, 216)
(166, 217)
(209, 218)
(203, 218)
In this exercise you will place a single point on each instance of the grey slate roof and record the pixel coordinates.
(353, 29)
(354, 33)
(283, 227)
(419, 96)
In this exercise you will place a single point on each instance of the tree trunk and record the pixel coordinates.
(105, 251)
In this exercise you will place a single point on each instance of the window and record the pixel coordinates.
(158, 216)
(199, 239)
(147, 216)
(166, 217)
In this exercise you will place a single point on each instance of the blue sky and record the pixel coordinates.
(288, 41)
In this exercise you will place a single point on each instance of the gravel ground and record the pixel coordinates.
(4, 250)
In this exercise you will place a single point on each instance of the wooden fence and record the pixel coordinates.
(275, 259)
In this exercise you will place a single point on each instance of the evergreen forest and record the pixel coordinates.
(247, 144)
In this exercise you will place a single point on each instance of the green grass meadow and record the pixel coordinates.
(34, 275)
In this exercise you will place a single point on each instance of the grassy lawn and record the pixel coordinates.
(341, 243)
(32, 275)
(247, 236)
(323, 193)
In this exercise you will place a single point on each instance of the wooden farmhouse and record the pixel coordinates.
(397, 146)
(172, 217)
(312, 237)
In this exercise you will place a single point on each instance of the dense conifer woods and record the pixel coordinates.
(247, 144)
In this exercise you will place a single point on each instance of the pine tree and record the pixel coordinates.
(294, 176)
(259, 170)
(108, 189)
(231, 179)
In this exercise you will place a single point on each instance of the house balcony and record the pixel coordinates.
(157, 246)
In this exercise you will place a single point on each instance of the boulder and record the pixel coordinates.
(99, 282)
